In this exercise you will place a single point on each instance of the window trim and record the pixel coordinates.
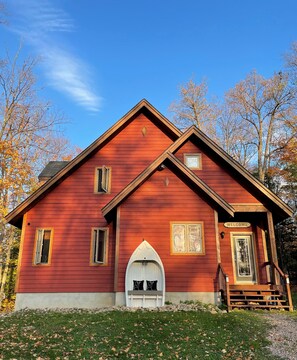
(36, 244)
(108, 182)
(198, 155)
(187, 223)
(92, 248)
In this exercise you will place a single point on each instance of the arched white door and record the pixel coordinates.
(145, 278)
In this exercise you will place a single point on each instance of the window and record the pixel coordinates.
(99, 246)
(193, 161)
(102, 179)
(42, 246)
(187, 238)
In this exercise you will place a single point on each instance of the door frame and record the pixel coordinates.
(253, 254)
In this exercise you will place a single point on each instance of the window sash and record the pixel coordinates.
(99, 245)
(42, 246)
(103, 179)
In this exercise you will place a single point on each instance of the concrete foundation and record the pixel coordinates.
(98, 300)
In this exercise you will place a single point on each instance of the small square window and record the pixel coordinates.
(193, 161)
(42, 246)
(99, 246)
(103, 179)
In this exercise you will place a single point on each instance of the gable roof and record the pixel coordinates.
(168, 159)
(258, 189)
(15, 216)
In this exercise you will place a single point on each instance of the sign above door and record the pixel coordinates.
(237, 224)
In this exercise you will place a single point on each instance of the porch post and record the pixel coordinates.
(272, 245)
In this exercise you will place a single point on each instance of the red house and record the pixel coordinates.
(148, 214)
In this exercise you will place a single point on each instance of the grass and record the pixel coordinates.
(134, 335)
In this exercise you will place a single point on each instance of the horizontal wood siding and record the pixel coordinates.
(72, 209)
(147, 214)
(217, 177)
(227, 256)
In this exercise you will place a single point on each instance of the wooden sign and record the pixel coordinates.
(237, 224)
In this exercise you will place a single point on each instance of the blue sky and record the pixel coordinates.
(100, 57)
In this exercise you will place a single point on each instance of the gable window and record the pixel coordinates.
(193, 161)
(42, 246)
(187, 238)
(99, 246)
(102, 179)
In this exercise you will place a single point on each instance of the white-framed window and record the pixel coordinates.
(43, 242)
(193, 161)
(99, 246)
(103, 179)
(187, 238)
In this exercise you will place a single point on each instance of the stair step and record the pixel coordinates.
(258, 306)
(274, 296)
(251, 287)
(257, 300)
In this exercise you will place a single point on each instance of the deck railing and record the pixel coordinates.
(283, 279)
(223, 281)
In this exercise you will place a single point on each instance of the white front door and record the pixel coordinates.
(243, 259)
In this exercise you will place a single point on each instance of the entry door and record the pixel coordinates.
(244, 259)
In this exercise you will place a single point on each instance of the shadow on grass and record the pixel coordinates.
(139, 335)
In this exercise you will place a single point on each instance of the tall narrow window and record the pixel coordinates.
(42, 247)
(102, 179)
(99, 246)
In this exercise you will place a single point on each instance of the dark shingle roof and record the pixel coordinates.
(51, 169)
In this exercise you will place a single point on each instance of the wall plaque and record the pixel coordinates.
(237, 224)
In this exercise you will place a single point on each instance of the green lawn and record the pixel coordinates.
(133, 335)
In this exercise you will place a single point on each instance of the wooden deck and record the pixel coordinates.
(266, 297)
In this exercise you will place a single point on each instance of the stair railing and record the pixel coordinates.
(223, 281)
(284, 280)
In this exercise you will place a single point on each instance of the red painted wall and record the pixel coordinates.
(72, 209)
(226, 251)
(217, 178)
(147, 215)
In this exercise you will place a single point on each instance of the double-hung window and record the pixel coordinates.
(43, 246)
(99, 246)
(103, 179)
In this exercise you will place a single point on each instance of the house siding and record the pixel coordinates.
(157, 203)
(72, 209)
(217, 177)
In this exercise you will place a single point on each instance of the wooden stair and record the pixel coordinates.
(266, 297)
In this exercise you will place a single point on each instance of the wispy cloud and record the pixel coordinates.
(39, 23)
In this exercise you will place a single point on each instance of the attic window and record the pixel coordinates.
(102, 179)
(193, 161)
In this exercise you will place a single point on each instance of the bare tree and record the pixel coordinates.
(28, 136)
(267, 110)
(192, 108)
(234, 137)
